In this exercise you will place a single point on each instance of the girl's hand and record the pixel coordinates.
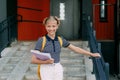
(50, 61)
(95, 55)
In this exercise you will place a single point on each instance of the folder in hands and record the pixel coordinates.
(41, 55)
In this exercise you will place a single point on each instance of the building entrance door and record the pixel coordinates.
(103, 21)
(30, 16)
(69, 13)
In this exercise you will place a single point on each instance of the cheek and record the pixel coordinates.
(46, 28)
(56, 27)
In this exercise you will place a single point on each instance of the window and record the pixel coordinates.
(62, 11)
(103, 10)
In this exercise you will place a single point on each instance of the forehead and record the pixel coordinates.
(51, 22)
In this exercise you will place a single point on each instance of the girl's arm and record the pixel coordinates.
(82, 51)
(34, 60)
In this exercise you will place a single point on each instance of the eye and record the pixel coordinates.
(54, 26)
(48, 26)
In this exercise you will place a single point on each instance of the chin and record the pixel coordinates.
(51, 33)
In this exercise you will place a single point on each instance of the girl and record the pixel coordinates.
(52, 69)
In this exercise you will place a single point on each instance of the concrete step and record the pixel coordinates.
(74, 68)
(15, 64)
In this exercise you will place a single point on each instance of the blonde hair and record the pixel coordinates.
(51, 18)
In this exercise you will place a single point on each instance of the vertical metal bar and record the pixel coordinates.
(119, 60)
(93, 16)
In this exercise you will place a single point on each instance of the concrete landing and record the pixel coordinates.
(15, 63)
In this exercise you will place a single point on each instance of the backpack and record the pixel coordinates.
(43, 45)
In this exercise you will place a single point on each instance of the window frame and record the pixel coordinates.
(103, 17)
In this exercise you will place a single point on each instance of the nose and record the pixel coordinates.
(50, 27)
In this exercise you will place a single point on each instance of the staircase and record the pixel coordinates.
(15, 63)
(74, 67)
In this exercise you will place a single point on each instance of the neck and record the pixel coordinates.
(51, 36)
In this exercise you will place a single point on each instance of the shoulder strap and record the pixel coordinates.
(43, 43)
(60, 41)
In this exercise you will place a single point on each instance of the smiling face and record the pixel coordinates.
(51, 27)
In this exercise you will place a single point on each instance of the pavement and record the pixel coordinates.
(15, 63)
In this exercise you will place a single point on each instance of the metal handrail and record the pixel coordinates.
(5, 29)
(6, 23)
(28, 8)
(28, 20)
(100, 67)
(23, 20)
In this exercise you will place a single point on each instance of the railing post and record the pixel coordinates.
(106, 65)
(107, 70)
(100, 68)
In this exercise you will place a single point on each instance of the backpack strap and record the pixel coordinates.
(60, 41)
(38, 72)
(43, 45)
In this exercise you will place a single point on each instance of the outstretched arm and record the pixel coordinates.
(82, 51)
